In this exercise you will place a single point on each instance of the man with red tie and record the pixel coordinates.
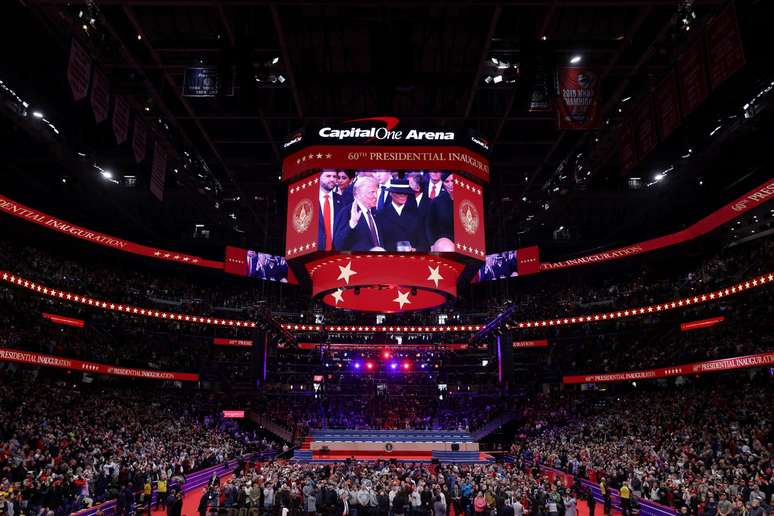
(329, 202)
(435, 184)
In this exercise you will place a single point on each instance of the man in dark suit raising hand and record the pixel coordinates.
(357, 227)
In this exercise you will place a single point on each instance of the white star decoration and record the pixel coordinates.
(435, 275)
(402, 299)
(338, 296)
(346, 272)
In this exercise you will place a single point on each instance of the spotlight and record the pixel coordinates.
(406, 366)
(393, 366)
(497, 79)
(575, 59)
(357, 365)
(369, 365)
(387, 355)
(107, 174)
(37, 114)
(484, 363)
(275, 60)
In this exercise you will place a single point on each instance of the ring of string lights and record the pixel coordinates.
(696, 299)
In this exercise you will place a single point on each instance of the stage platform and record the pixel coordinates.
(400, 445)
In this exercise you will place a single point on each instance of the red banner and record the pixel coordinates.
(704, 323)
(121, 119)
(38, 359)
(577, 104)
(303, 212)
(78, 70)
(234, 414)
(666, 105)
(724, 364)
(60, 319)
(388, 347)
(647, 139)
(158, 171)
(139, 140)
(724, 46)
(23, 212)
(692, 74)
(627, 147)
(716, 219)
(100, 95)
(469, 218)
(385, 157)
(528, 260)
(239, 343)
(236, 261)
(530, 343)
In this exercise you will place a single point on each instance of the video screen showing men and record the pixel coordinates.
(267, 267)
(497, 266)
(381, 210)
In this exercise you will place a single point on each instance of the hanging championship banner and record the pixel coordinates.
(692, 74)
(724, 46)
(627, 147)
(139, 140)
(121, 119)
(666, 105)
(100, 95)
(645, 128)
(78, 70)
(577, 104)
(158, 171)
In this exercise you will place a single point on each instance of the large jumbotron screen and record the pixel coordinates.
(385, 211)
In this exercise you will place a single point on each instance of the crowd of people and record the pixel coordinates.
(66, 446)
(692, 448)
(382, 488)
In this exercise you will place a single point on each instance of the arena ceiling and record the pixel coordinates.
(297, 63)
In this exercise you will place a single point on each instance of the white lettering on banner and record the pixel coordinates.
(33, 358)
(601, 257)
(425, 156)
(141, 373)
(291, 142)
(736, 363)
(381, 133)
(64, 227)
(725, 364)
(479, 142)
(756, 197)
(12, 355)
(575, 97)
